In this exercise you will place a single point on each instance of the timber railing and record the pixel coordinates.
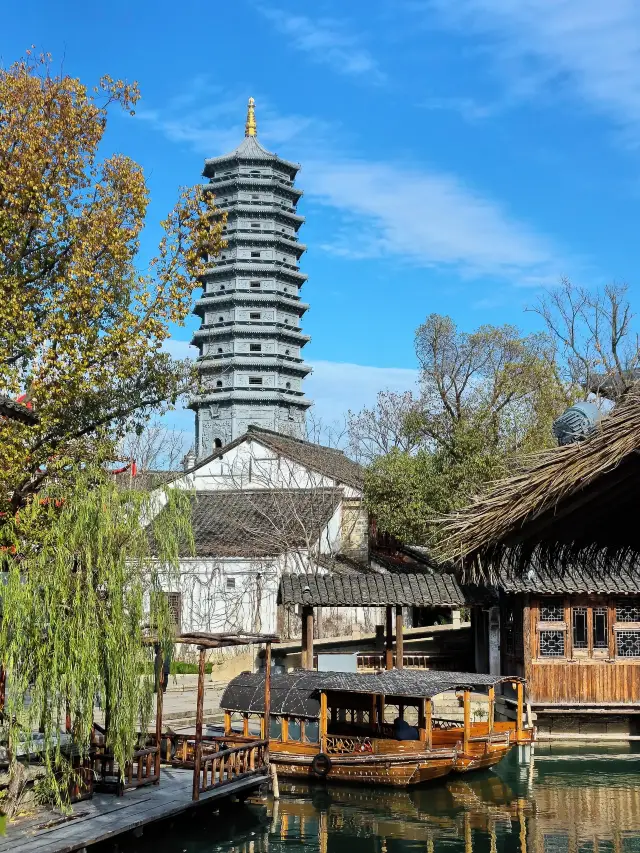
(143, 769)
(215, 769)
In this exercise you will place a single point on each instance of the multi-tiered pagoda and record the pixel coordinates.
(250, 340)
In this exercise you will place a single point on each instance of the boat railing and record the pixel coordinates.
(441, 723)
(214, 769)
(347, 744)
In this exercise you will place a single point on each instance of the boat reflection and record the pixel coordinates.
(565, 802)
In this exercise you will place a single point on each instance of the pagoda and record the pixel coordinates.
(250, 341)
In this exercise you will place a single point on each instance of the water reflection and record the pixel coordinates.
(557, 802)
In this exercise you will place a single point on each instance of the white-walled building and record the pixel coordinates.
(262, 505)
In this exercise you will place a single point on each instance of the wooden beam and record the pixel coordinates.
(388, 640)
(520, 711)
(267, 699)
(429, 723)
(492, 709)
(307, 629)
(199, 721)
(399, 637)
(227, 722)
(528, 638)
(323, 722)
(467, 721)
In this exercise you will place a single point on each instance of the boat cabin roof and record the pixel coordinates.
(298, 693)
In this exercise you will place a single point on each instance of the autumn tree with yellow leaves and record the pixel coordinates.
(81, 326)
(81, 334)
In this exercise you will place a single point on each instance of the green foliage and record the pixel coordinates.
(488, 398)
(81, 584)
(180, 667)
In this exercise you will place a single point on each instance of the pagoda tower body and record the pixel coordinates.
(250, 341)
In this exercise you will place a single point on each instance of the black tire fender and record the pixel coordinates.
(321, 764)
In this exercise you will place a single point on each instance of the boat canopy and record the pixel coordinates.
(298, 693)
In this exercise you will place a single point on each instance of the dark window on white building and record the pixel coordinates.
(255, 347)
(254, 284)
(255, 380)
(231, 583)
(254, 315)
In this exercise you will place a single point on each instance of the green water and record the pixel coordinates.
(581, 800)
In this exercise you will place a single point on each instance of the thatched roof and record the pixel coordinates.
(568, 504)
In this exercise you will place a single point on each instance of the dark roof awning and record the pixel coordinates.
(374, 590)
(595, 577)
(298, 693)
(16, 411)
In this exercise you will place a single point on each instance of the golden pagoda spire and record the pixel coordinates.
(251, 128)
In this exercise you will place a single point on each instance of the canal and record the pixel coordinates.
(581, 799)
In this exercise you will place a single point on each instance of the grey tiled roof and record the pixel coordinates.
(371, 590)
(16, 411)
(261, 522)
(324, 460)
(572, 579)
(249, 149)
(297, 693)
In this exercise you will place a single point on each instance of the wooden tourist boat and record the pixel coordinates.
(353, 727)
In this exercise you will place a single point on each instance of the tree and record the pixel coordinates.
(488, 397)
(81, 328)
(82, 578)
(157, 452)
(383, 428)
(598, 350)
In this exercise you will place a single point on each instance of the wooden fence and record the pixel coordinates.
(215, 769)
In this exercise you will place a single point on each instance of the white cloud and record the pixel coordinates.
(429, 218)
(335, 387)
(328, 42)
(591, 47)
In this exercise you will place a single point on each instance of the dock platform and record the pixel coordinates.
(105, 816)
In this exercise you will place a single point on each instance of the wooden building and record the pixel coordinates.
(559, 545)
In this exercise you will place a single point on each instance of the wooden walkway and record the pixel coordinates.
(106, 816)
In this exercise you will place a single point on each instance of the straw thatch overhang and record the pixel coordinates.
(573, 506)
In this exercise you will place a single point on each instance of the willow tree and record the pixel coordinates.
(83, 582)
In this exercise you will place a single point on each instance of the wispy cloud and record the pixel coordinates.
(384, 209)
(428, 218)
(326, 41)
(590, 48)
(210, 121)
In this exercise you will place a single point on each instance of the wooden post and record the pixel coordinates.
(159, 704)
(227, 722)
(519, 717)
(399, 637)
(429, 723)
(467, 721)
(267, 699)
(374, 710)
(528, 640)
(199, 720)
(323, 722)
(307, 637)
(492, 710)
(611, 634)
(388, 640)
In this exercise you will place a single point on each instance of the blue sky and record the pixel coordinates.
(457, 156)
